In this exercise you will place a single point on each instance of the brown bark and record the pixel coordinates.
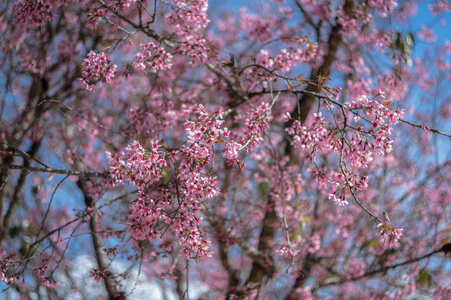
(259, 272)
(5, 220)
(306, 102)
(97, 242)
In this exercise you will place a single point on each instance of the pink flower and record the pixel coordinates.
(389, 233)
(96, 68)
(426, 35)
(152, 59)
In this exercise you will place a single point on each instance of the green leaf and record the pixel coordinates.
(374, 243)
(165, 174)
(424, 278)
(264, 187)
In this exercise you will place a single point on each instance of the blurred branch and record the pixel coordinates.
(56, 171)
(340, 280)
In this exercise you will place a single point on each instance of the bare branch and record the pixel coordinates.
(56, 171)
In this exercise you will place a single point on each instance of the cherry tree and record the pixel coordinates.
(256, 150)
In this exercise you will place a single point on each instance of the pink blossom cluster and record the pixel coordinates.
(196, 48)
(202, 135)
(440, 6)
(206, 132)
(306, 138)
(338, 198)
(381, 119)
(231, 152)
(40, 273)
(152, 59)
(96, 67)
(352, 23)
(287, 252)
(189, 16)
(315, 244)
(6, 276)
(356, 269)
(354, 147)
(264, 60)
(390, 234)
(282, 62)
(97, 274)
(178, 207)
(144, 215)
(138, 166)
(285, 61)
(158, 115)
(383, 6)
(149, 212)
(259, 28)
(256, 123)
(191, 238)
(426, 35)
(323, 10)
(94, 16)
(188, 19)
(35, 12)
(334, 183)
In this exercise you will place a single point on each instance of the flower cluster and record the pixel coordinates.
(258, 27)
(280, 62)
(352, 22)
(287, 59)
(287, 252)
(231, 152)
(150, 211)
(309, 137)
(256, 123)
(427, 35)
(98, 275)
(390, 234)
(190, 185)
(315, 244)
(6, 276)
(438, 7)
(188, 16)
(96, 67)
(35, 12)
(264, 59)
(381, 119)
(356, 269)
(95, 16)
(152, 58)
(140, 167)
(383, 6)
(195, 48)
(40, 272)
(354, 147)
(339, 199)
(144, 215)
(202, 135)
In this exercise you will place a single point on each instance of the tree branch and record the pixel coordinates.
(341, 280)
(56, 171)
(97, 242)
